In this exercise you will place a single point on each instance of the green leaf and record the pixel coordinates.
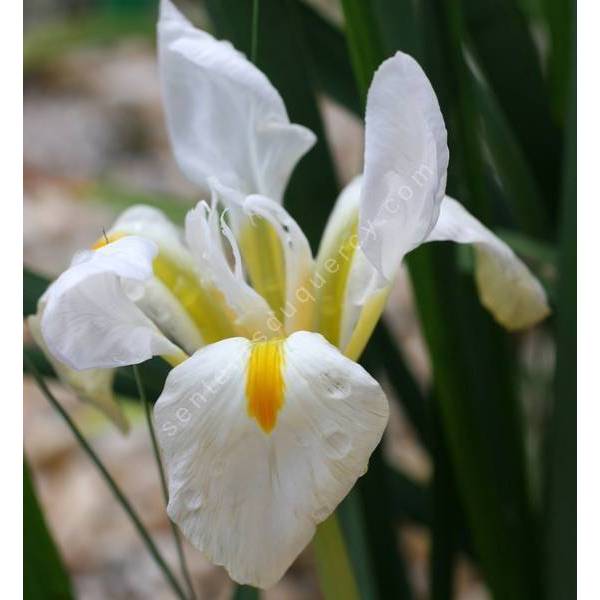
(386, 354)
(352, 521)
(328, 57)
(381, 530)
(366, 49)
(502, 42)
(446, 523)
(375, 487)
(520, 190)
(561, 453)
(471, 358)
(245, 592)
(410, 500)
(397, 26)
(34, 285)
(559, 17)
(44, 574)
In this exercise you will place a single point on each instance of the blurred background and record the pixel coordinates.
(476, 469)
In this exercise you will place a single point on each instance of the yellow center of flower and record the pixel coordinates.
(265, 262)
(265, 386)
(335, 272)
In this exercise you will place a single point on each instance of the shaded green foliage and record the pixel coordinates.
(44, 575)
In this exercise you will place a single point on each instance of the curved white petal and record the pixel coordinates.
(157, 300)
(341, 220)
(352, 292)
(90, 322)
(299, 299)
(163, 308)
(93, 386)
(150, 222)
(406, 158)
(225, 119)
(506, 286)
(203, 234)
(364, 283)
(250, 499)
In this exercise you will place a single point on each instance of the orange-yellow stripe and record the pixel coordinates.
(265, 386)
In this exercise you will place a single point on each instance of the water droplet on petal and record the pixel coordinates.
(338, 443)
(334, 385)
(194, 501)
(321, 513)
(134, 290)
(303, 440)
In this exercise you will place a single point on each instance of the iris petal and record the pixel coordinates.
(250, 496)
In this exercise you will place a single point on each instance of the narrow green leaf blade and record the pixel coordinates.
(34, 285)
(505, 49)
(559, 18)
(381, 530)
(473, 384)
(561, 497)
(245, 592)
(328, 57)
(44, 575)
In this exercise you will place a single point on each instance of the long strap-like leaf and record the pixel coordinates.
(473, 385)
(44, 575)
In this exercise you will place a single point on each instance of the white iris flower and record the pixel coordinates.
(266, 421)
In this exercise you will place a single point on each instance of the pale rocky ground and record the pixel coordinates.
(97, 115)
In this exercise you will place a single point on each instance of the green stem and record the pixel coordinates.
(333, 564)
(254, 40)
(131, 513)
(163, 480)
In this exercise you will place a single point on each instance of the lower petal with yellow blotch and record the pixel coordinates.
(262, 441)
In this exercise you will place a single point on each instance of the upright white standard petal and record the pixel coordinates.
(90, 322)
(261, 442)
(506, 286)
(93, 386)
(406, 158)
(225, 119)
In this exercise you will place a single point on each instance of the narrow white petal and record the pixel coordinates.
(163, 308)
(93, 386)
(90, 322)
(352, 292)
(225, 119)
(299, 303)
(406, 158)
(203, 234)
(506, 286)
(250, 499)
(364, 282)
(341, 219)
